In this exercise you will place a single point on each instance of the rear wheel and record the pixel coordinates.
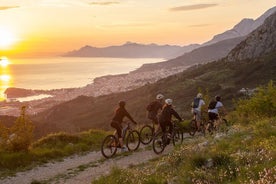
(109, 146)
(133, 140)
(192, 128)
(146, 134)
(177, 138)
(158, 143)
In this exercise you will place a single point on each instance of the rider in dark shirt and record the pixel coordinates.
(165, 118)
(154, 108)
(117, 120)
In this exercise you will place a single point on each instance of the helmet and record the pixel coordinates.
(159, 96)
(122, 103)
(218, 98)
(169, 101)
(199, 95)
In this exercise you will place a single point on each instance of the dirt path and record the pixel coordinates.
(81, 169)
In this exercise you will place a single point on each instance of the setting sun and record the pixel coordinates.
(4, 62)
(7, 38)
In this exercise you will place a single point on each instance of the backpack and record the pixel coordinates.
(212, 104)
(195, 103)
(150, 107)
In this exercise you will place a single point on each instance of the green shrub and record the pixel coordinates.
(261, 104)
(21, 133)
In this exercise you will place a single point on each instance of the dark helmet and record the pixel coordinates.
(122, 103)
(218, 98)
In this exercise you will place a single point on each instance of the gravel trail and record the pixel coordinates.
(81, 169)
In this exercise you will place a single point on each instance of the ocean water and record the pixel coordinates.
(64, 72)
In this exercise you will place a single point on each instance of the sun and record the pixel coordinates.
(7, 38)
(4, 62)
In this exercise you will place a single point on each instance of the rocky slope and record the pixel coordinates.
(258, 43)
(243, 28)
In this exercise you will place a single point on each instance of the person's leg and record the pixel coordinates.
(118, 128)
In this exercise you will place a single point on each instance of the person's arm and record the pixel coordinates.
(129, 117)
(176, 115)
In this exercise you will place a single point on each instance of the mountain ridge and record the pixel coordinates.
(132, 50)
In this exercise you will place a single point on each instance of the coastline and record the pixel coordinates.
(102, 85)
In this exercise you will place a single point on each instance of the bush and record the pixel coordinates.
(261, 104)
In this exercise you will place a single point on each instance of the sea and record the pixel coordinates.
(64, 72)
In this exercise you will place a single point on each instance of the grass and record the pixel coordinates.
(222, 160)
(50, 148)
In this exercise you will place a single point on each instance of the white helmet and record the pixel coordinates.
(159, 96)
(169, 101)
(199, 95)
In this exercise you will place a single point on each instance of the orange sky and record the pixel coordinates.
(50, 27)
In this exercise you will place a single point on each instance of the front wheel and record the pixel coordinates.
(146, 134)
(109, 146)
(159, 142)
(133, 140)
(192, 127)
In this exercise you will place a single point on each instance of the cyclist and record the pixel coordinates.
(153, 108)
(196, 108)
(165, 119)
(214, 107)
(117, 120)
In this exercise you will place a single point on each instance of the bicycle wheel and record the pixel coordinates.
(159, 142)
(210, 127)
(177, 137)
(192, 127)
(146, 134)
(133, 140)
(109, 146)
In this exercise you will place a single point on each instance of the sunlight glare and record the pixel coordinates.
(4, 62)
(5, 78)
(7, 38)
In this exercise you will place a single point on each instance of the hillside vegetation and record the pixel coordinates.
(220, 77)
(245, 154)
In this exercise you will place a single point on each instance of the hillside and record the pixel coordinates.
(225, 78)
(260, 42)
(133, 50)
(200, 55)
(220, 77)
(243, 28)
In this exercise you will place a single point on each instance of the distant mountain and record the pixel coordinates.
(243, 28)
(258, 43)
(200, 55)
(133, 50)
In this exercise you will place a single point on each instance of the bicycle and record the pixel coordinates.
(193, 126)
(111, 143)
(220, 124)
(147, 133)
(161, 140)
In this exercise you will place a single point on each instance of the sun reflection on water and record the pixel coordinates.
(5, 77)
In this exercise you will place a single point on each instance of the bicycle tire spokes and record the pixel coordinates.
(159, 143)
(133, 140)
(109, 146)
(146, 134)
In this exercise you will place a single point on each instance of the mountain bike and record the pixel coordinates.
(147, 133)
(111, 143)
(193, 125)
(162, 139)
(221, 124)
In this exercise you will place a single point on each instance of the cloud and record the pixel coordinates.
(192, 7)
(8, 7)
(199, 25)
(104, 3)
